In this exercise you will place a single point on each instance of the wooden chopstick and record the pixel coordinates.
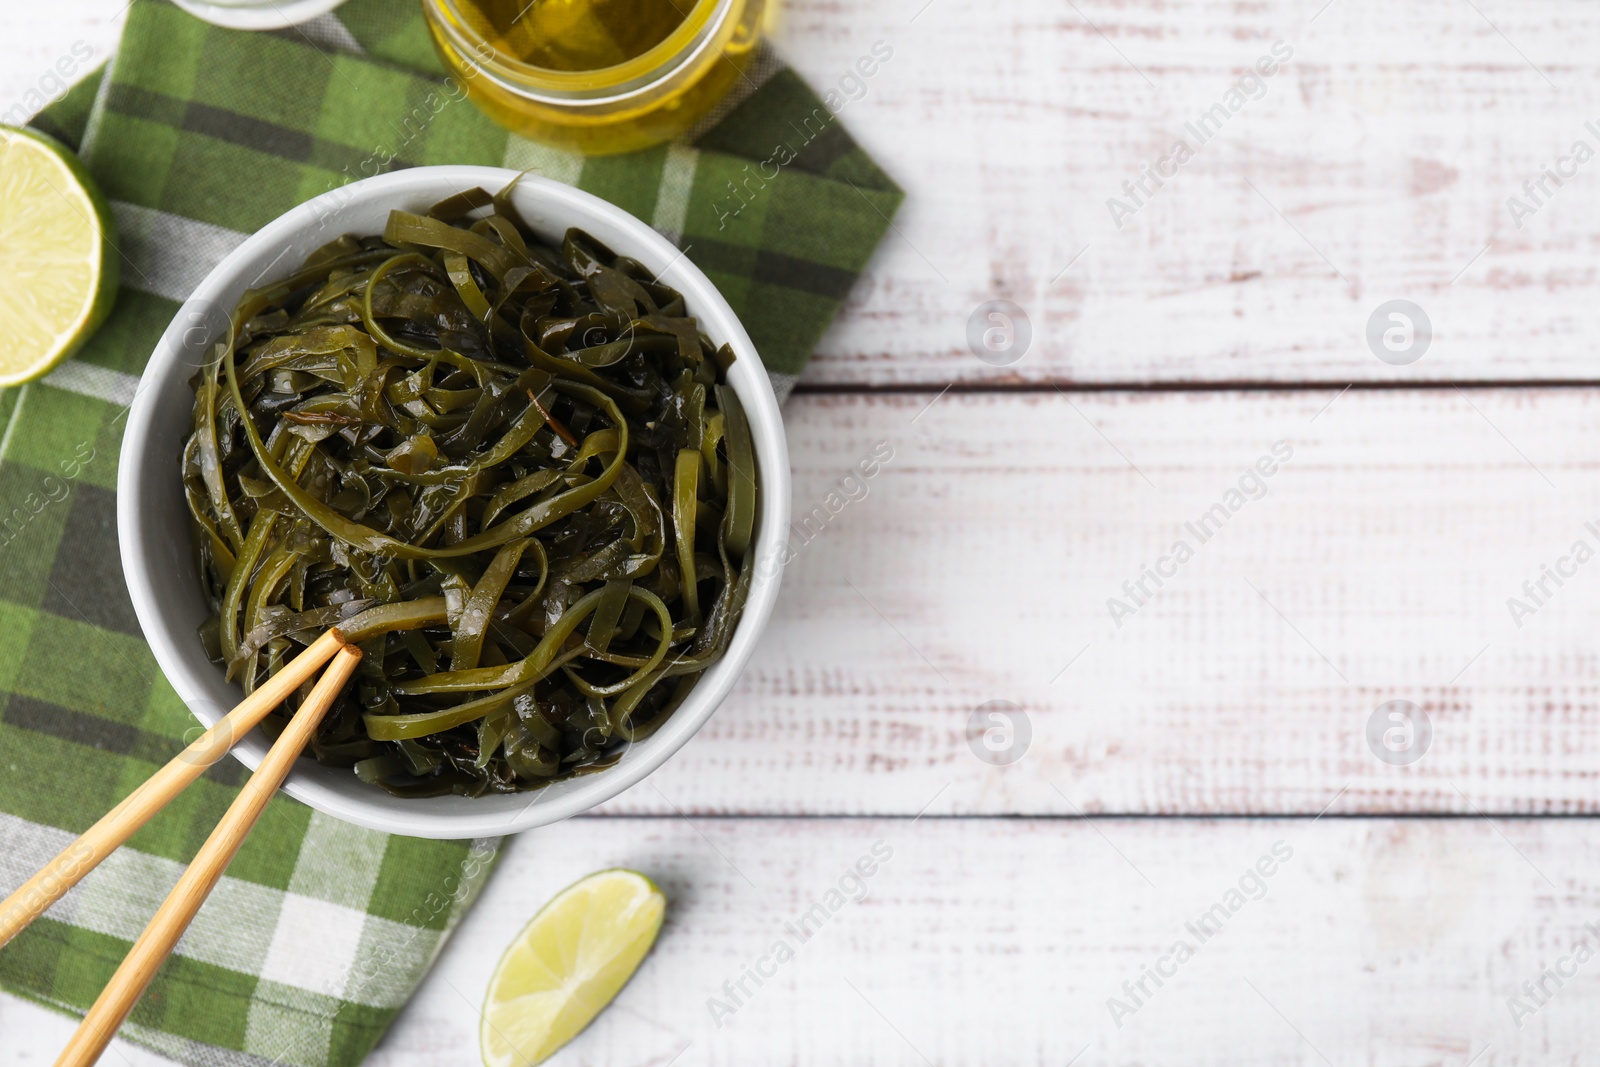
(204, 871)
(139, 807)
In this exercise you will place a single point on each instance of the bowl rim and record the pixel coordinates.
(455, 818)
(262, 15)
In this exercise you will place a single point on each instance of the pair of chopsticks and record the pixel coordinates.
(208, 865)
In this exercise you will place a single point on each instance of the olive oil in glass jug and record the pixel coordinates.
(597, 76)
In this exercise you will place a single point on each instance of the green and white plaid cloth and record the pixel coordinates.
(198, 136)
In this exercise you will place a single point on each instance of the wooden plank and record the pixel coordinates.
(1378, 942)
(1378, 566)
(1391, 141)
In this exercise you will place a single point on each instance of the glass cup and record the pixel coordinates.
(646, 100)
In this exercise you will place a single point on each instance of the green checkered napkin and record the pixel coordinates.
(202, 135)
(198, 136)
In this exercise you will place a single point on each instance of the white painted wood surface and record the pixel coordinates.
(1382, 942)
(978, 563)
(1382, 158)
(1390, 143)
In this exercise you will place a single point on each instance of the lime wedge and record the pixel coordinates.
(58, 265)
(567, 964)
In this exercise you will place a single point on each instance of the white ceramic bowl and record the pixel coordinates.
(153, 521)
(258, 14)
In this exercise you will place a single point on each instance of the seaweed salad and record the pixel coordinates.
(513, 473)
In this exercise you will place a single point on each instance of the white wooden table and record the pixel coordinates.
(1207, 721)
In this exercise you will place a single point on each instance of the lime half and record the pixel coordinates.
(567, 964)
(58, 265)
